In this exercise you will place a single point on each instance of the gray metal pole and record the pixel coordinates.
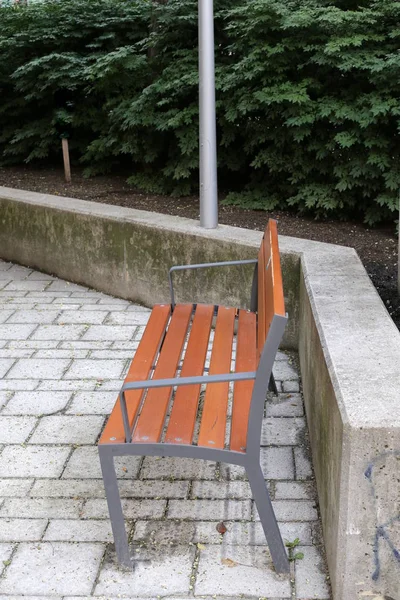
(208, 134)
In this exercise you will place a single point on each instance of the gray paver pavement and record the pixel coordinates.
(63, 352)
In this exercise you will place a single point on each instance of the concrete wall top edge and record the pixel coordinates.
(247, 237)
(360, 341)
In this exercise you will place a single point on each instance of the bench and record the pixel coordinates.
(160, 401)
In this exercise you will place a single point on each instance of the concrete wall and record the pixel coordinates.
(349, 350)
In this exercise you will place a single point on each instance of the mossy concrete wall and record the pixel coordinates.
(128, 253)
(349, 351)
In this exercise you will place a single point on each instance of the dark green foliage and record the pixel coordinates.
(308, 96)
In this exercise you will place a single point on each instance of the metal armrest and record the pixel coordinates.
(196, 380)
(228, 263)
(175, 381)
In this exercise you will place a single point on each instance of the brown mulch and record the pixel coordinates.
(377, 248)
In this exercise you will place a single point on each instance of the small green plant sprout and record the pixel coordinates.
(292, 546)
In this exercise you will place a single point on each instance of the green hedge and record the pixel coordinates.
(308, 97)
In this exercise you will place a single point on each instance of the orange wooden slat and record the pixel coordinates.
(151, 419)
(138, 371)
(213, 422)
(279, 301)
(246, 360)
(261, 300)
(183, 415)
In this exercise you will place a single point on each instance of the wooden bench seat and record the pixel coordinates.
(189, 324)
(196, 387)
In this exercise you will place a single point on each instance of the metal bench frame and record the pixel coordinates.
(249, 459)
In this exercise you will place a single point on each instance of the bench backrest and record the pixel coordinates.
(270, 289)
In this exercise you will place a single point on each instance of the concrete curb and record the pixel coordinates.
(349, 349)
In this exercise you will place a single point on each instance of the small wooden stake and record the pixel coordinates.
(67, 168)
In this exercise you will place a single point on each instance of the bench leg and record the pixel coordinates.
(268, 519)
(114, 507)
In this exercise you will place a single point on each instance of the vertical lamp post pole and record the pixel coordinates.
(208, 134)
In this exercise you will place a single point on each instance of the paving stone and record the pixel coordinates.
(292, 510)
(283, 431)
(285, 405)
(72, 488)
(16, 332)
(98, 369)
(18, 384)
(65, 286)
(69, 300)
(36, 403)
(311, 579)
(68, 530)
(32, 344)
(85, 464)
(110, 384)
(93, 403)
(293, 490)
(17, 304)
(5, 365)
(177, 468)
(5, 314)
(15, 487)
(41, 508)
(80, 345)
(38, 368)
(221, 489)
(38, 276)
(248, 534)
(26, 286)
(15, 430)
(5, 553)
(109, 332)
(102, 307)
(52, 597)
(72, 385)
(6, 295)
(165, 533)
(128, 318)
(58, 332)
(154, 574)
(291, 386)
(153, 489)
(16, 353)
(253, 575)
(21, 530)
(67, 430)
(126, 354)
(138, 308)
(32, 461)
(86, 317)
(62, 353)
(34, 316)
(284, 371)
(303, 464)
(57, 303)
(276, 463)
(53, 568)
(103, 299)
(96, 508)
(203, 510)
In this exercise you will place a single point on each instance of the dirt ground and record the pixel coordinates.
(377, 248)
